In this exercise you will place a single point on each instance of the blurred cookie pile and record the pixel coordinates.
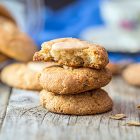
(129, 72)
(14, 44)
(74, 85)
(17, 46)
(132, 74)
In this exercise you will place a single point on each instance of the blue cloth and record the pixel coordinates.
(71, 20)
(119, 57)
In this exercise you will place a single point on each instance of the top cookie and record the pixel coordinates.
(73, 52)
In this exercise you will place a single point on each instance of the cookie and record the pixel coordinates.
(72, 81)
(115, 68)
(73, 52)
(24, 76)
(3, 57)
(18, 46)
(90, 102)
(132, 74)
(6, 14)
(8, 26)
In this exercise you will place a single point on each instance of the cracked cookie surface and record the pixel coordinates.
(91, 102)
(73, 52)
(66, 80)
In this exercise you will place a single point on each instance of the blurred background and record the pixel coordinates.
(115, 24)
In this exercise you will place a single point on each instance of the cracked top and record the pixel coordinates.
(69, 45)
(73, 52)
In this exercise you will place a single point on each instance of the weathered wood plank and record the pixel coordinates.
(26, 119)
(4, 97)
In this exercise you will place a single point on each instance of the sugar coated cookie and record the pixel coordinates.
(91, 102)
(66, 80)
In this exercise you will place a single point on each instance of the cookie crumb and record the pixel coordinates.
(118, 116)
(66, 67)
(133, 123)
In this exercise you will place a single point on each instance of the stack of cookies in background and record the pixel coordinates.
(14, 44)
(17, 46)
(74, 86)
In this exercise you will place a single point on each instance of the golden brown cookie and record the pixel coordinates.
(90, 102)
(73, 52)
(24, 76)
(115, 68)
(8, 26)
(132, 74)
(13, 43)
(3, 57)
(72, 81)
(6, 14)
(18, 46)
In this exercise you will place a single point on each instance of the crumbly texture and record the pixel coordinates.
(132, 74)
(18, 46)
(24, 76)
(67, 80)
(91, 102)
(3, 57)
(73, 52)
(115, 68)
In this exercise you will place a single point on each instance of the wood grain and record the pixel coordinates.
(26, 119)
(4, 97)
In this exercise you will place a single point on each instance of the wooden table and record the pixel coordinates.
(22, 118)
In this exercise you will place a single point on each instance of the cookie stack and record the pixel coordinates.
(74, 86)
